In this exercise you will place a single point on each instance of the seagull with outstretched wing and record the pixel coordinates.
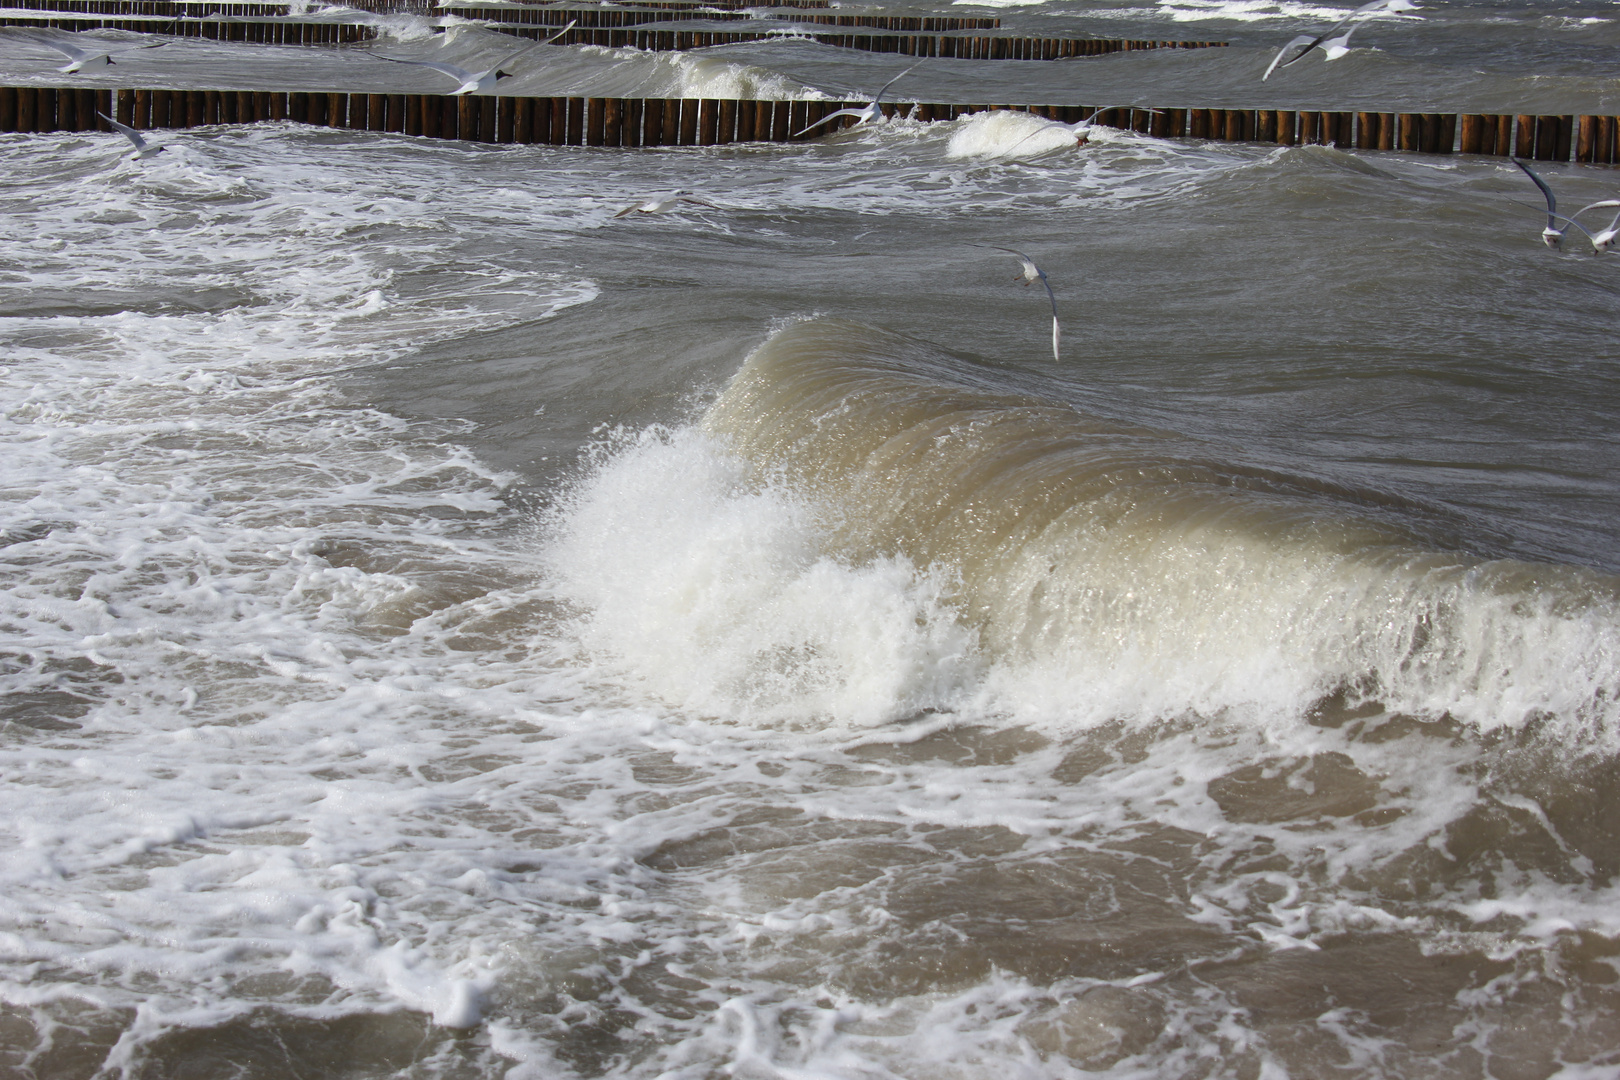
(88, 59)
(474, 82)
(143, 149)
(869, 113)
(1032, 273)
(1332, 42)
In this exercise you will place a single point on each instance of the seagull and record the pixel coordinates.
(869, 113)
(80, 59)
(1552, 236)
(475, 82)
(1603, 239)
(1080, 131)
(143, 149)
(1030, 273)
(659, 204)
(1333, 43)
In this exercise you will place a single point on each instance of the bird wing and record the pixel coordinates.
(561, 32)
(126, 131)
(72, 52)
(1552, 200)
(1053, 299)
(833, 116)
(1277, 61)
(1594, 206)
(700, 202)
(1560, 217)
(877, 97)
(1031, 271)
(459, 74)
(509, 59)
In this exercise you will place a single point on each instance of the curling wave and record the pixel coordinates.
(1017, 555)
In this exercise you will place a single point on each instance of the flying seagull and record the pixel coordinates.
(80, 59)
(1603, 239)
(143, 149)
(660, 204)
(1080, 131)
(869, 113)
(1331, 42)
(1030, 273)
(475, 82)
(1552, 235)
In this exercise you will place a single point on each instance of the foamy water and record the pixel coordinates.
(451, 631)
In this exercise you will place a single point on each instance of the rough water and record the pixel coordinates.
(452, 631)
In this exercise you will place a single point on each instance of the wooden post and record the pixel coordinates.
(297, 107)
(8, 109)
(557, 128)
(414, 109)
(747, 111)
(575, 133)
(1524, 137)
(505, 119)
(727, 132)
(612, 122)
(689, 122)
(128, 107)
(523, 120)
(488, 111)
(1563, 137)
(1366, 131)
(468, 108)
(1473, 133)
(652, 120)
(1585, 138)
(631, 110)
(708, 121)
(1265, 126)
(1448, 133)
(1410, 131)
(450, 118)
(376, 112)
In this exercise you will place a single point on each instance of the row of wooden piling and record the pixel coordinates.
(533, 15)
(920, 45)
(268, 32)
(300, 32)
(637, 122)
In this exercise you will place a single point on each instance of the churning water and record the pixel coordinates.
(450, 631)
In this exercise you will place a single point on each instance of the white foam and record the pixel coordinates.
(714, 595)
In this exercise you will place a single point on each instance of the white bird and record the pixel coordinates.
(1031, 273)
(1603, 239)
(1081, 131)
(475, 82)
(1331, 42)
(660, 204)
(1552, 236)
(869, 113)
(143, 149)
(81, 59)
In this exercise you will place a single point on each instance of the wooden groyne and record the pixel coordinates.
(638, 122)
(533, 14)
(292, 31)
(267, 32)
(528, 15)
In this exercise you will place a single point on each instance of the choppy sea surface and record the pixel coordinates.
(450, 630)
